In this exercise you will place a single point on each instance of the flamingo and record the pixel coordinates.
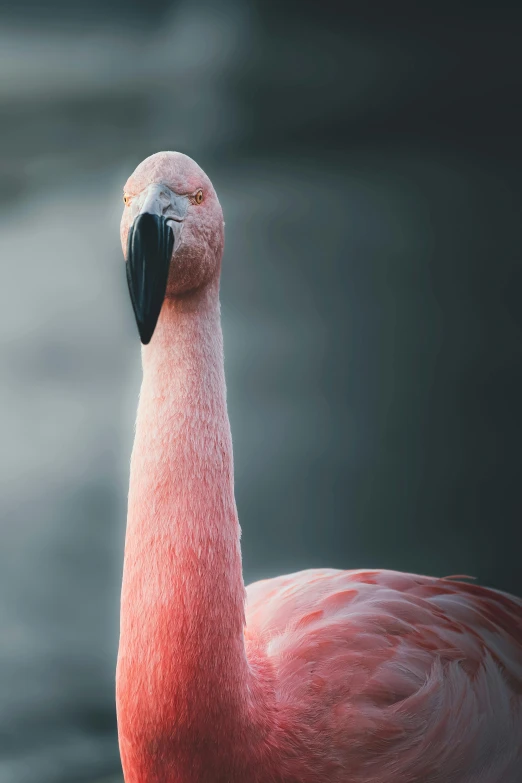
(321, 676)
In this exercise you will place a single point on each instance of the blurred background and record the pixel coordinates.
(369, 165)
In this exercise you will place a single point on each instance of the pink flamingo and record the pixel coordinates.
(320, 676)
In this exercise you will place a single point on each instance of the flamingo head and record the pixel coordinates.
(172, 234)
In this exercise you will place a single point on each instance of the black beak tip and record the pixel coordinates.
(149, 251)
(145, 336)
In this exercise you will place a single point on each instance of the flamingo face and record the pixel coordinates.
(172, 234)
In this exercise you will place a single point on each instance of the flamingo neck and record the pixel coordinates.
(182, 669)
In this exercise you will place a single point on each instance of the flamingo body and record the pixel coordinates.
(322, 676)
(386, 676)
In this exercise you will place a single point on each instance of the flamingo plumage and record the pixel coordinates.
(322, 676)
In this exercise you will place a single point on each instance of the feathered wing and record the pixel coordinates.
(385, 676)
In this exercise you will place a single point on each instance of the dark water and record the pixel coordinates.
(369, 170)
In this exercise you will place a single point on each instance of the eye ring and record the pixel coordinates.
(126, 199)
(198, 196)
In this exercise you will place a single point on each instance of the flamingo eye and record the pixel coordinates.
(126, 199)
(198, 198)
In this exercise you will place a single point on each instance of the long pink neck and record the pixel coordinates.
(182, 676)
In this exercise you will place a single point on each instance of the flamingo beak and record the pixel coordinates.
(150, 245)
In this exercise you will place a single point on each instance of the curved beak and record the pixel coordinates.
(150, 244)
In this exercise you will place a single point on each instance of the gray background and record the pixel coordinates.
(369, 164)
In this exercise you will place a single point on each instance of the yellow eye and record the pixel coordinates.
(198, 198)
(126, 199)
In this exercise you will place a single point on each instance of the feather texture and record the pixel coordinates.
(386, 676)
